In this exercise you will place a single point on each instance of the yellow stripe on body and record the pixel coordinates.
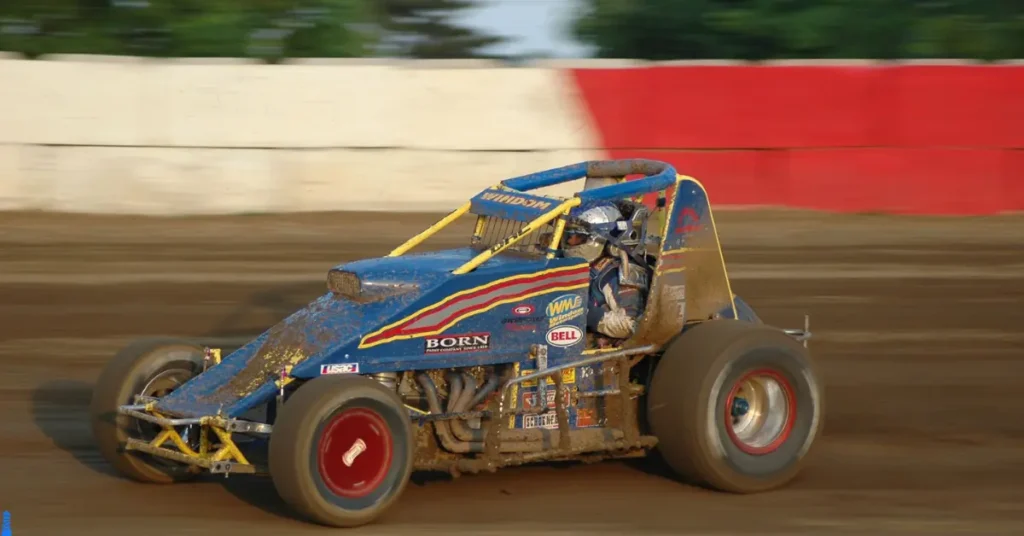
(441, 303)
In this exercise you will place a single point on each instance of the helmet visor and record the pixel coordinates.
(574, 237)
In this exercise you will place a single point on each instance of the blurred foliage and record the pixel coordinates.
(269, 29)
(784, 29)
(424, 29)
(185, 28)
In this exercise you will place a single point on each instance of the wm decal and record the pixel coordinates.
(440, 316)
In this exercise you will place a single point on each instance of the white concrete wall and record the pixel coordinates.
(126, 135)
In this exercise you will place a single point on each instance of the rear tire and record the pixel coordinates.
(735, 406)
(146, 367)
(342, 450)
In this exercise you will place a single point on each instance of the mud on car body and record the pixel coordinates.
(475, 358)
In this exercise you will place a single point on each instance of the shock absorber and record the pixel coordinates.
(389, 379)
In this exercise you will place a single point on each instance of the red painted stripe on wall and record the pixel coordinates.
(1013, 180)
(901, 181)
(951, 106)
(912, 139)
(709, 107)
(730, 177)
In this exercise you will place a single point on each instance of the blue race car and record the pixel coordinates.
(487, 356)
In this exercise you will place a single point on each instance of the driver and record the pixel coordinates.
(618, 284)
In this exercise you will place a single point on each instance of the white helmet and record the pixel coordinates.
(582, 243)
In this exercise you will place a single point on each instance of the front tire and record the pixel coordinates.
(342, 450)
(735, 406)
(150, 368)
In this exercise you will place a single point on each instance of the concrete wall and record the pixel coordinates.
(128, 135)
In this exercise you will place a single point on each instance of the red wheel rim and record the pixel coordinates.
(770, 412)
(355, 452)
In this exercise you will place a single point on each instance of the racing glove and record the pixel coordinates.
(615, 323)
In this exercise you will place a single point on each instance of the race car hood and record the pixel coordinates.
(364, 296)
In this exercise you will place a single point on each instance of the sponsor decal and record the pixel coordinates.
(442, 315)
(515, 395)
(522, 320)
(522, 323)
(548, 420)
(586, 417)
(687, 221)
(677, 294)
(523, 310)
(515, 200)
(530, 399)
(340, 368)
(564, 336)
(469, 342)
(521, 327)
(568, 377)
(564, 308)
(674, 292)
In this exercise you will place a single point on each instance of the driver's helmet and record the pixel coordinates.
(579, 242)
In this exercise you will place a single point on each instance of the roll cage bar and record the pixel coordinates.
(658, 176)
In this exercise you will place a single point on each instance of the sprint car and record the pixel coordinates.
(476, 358)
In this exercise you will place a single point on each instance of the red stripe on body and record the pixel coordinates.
(398, 330)
(488, 303)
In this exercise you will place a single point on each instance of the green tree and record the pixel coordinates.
(187, 28)
(424, 29)
(778, 29)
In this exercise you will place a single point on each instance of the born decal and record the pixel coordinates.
(470, 342)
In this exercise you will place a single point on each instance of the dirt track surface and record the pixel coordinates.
(917, 323)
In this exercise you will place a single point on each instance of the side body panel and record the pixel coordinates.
(690, 281)
(488, 316)
(474, 320)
